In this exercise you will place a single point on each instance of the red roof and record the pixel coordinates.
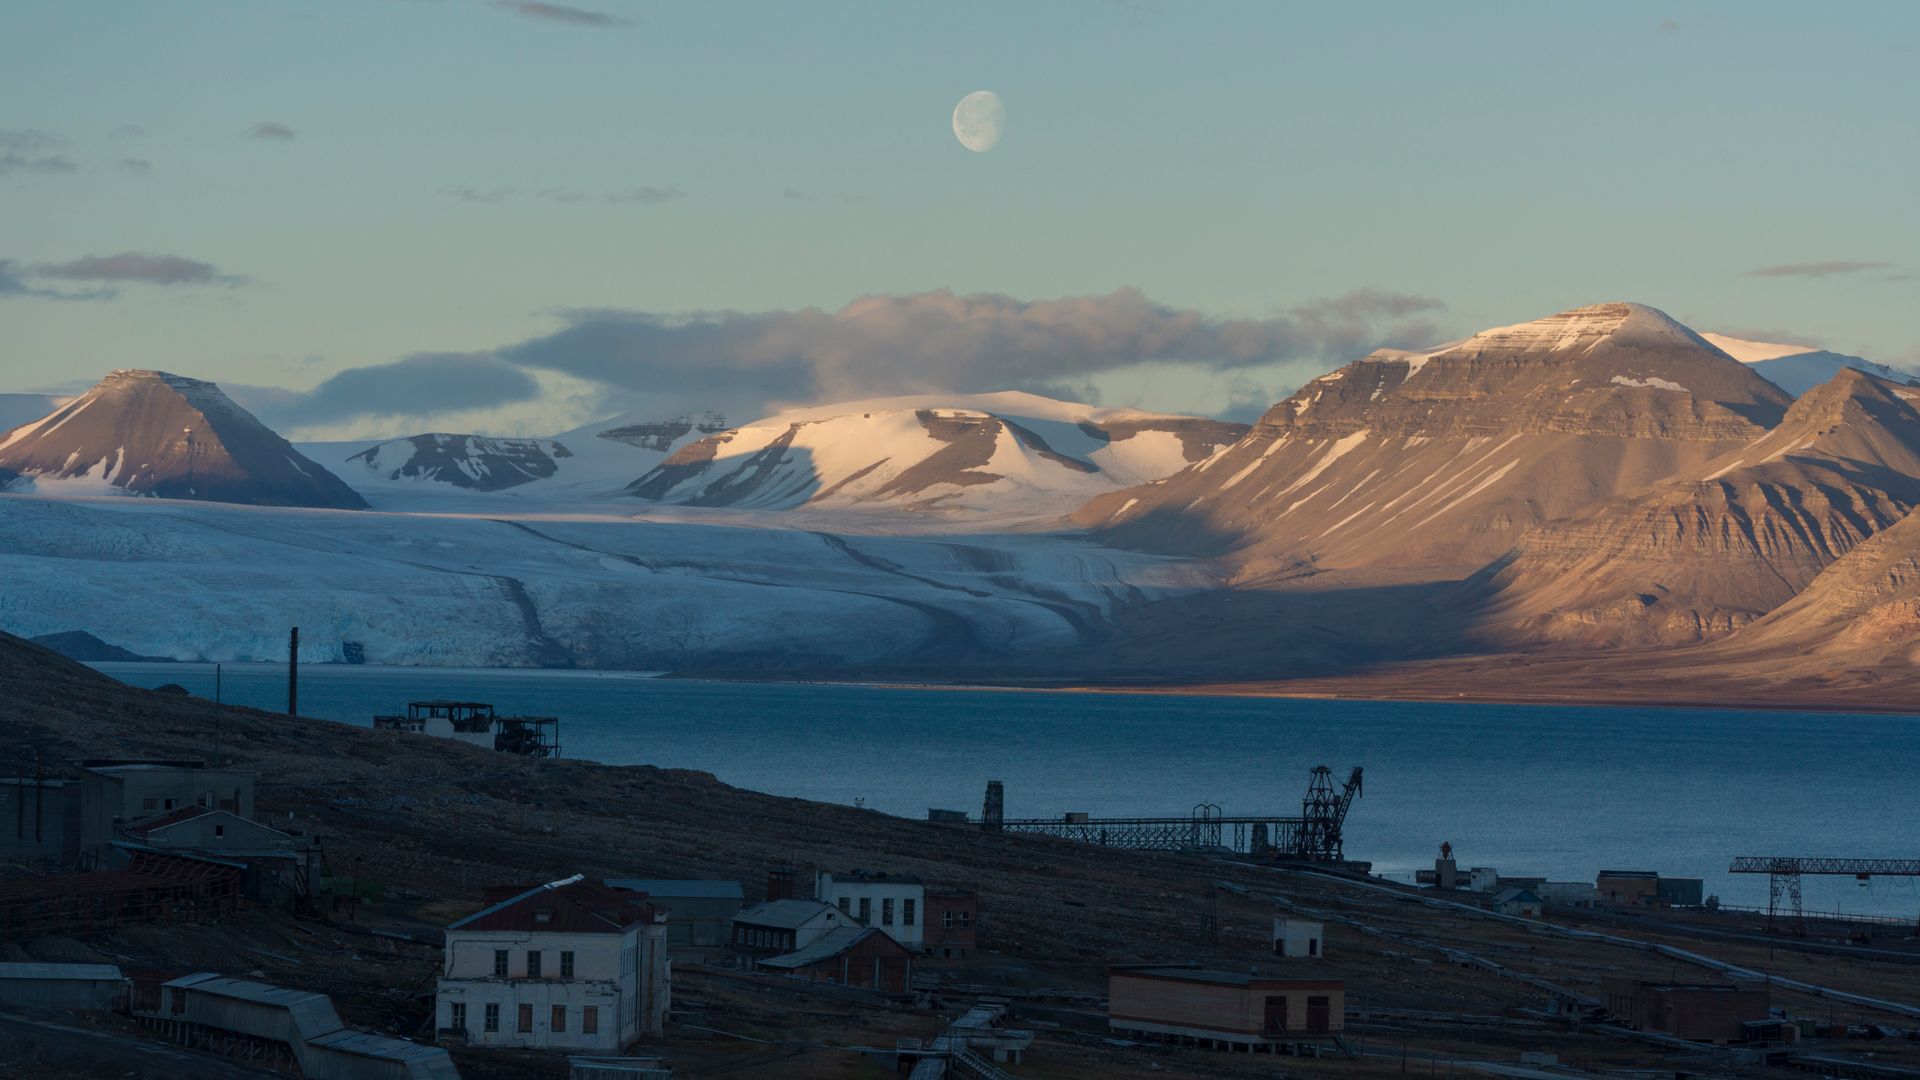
(171, 817)
(575, 905)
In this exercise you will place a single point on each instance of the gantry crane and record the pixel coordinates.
(1783, 881)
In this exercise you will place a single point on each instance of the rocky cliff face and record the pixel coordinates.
(472, 462)
(1702, 555)
(1442, 459)
(153, 433)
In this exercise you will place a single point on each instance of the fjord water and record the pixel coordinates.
(1555, 791)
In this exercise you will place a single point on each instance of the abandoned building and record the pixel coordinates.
(570, 964)
(278, 869)
(699, 913)
(476, 724)
(778, 927)
(153, 888)
(1646, 888)
(114, 792)
(894, 904)
(1524, 903)
(1702, 1012)
(952, 922)
(855, 956)
(96, 987)
(1225, 1009)
(1299, 938)
(39, 820)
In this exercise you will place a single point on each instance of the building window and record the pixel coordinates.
(886, 911)
(906, 912)
(559, 1018)
(590, 1020)
(946, 920)
(168, 804)
(533, 963)
(566, 964)
(846, 906)
(499, 966)
(219, 831)
(526, 1019)
(457, 1016)
(491, 1021)
(966, 918)
(866, 910)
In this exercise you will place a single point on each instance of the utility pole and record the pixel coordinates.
(293, 673)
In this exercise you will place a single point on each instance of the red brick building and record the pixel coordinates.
(1703, 1012)
(1224, 1008)
(953, 917)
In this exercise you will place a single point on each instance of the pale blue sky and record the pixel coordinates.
(1228, 160)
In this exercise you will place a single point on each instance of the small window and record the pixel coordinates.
(499, 966)
(906, 912)
(149, 804)
(559, 1018)
(219, 831)
(886, 911)
(533, 963)
(168, 804)
(526, 1018)
(946, 920)
(566, 964)
(543, 916)
(590, 1020)
(966, 918)
(492, 1020)
(866, 910)
(457, 1016)
(846, 906)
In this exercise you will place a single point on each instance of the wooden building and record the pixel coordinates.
(1228, 1009)
(857, 956)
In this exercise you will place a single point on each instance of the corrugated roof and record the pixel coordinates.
(1505, 895)
(72, 972)
(367, 1044)
(312, 1014)
(788, 914)
(169, 817)
(826, 947)
(572, 905)
(682, 889)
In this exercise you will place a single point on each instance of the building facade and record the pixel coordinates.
(1236, 1009)
(952, 923)
(894, 904)
(569, 965)
(1703, 1012)
(113, 793)
(783, 926)
(1299, 938)
(854, 956)
(40, 820)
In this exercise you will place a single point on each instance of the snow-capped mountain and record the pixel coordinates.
(154, 433)
(17, 409)
(1006, 453)
(1799, 368)
(1444, 458)
(475, 462)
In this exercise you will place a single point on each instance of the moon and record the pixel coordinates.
(977, 121)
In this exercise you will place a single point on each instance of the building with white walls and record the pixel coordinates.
(570, 965)
(1301, 938)
(894, 904)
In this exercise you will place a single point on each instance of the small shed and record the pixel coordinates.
(1522, 902)
(1301, 938)
(856, 956)
(62, 986)
(1231, 1009)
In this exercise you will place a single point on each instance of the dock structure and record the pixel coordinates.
(1313, 836)
(476, 723)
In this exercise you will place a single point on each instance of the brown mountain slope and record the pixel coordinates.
(1700, 556)
(153, 433)
(1440, 460)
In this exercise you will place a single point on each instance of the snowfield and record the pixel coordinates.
(606, 587)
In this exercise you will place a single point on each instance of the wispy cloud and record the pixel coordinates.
(51, 164)
(476, 195)
(648, 195)
(269, 131)
(24, 139)
(560, 13)
(134, 166)
(127, 131)
(15, 284)
(137, 267)
(1816, 269)
(566, 196)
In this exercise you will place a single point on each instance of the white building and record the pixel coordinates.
(1299, 938)
(894, 904)
(569, 965)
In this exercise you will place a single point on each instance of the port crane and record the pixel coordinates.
(1783, 881)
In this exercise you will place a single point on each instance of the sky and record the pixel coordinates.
(370, 217)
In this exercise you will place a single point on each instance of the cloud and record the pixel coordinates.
(943, 341)
(140, 267)
(50, 164)
(567, 196)
(476, 195)
(647, 195)
(270, 132)
(419, 385)
(560, 13)
(134, 166)
(1816, 269)
(20, 139)
(15, 284)
(127, 131)
(1667, 26)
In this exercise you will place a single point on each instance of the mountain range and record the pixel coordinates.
(1602, 486)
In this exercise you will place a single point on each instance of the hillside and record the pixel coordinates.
(474, 462)
(1699, 556)
(168, 436)
(992, 453)
(1440, 460)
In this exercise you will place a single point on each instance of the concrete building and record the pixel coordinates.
(1628, 888)
(952, 923)
(783, 926)
(281, 868)
(569, 965)
(1568, 894)
(39, 820)
(1232, 1009)
(1680, 892)
(855, 956)
(99, 987)
(1524, 903)
(1703, 1012)
(1483, 879)
(1300, 938)
(894, 904)
(699, 913)
(115, 792)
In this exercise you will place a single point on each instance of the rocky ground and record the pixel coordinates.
(433, 822)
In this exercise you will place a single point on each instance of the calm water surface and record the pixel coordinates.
(1559, 791)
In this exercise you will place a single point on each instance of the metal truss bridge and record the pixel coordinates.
(1314, 836)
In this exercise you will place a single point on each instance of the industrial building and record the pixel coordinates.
(894, 904)
(853, 956)
(568, 965)
(114, 792)
(1524, 903)
(1646, 888)
(476, 724)
(1225, 1009)
(293, 1030)
(1702, 1012)
(1299, 938)
(39, 820)
(99, 987)
(778, 927)
(699, 913)
(154, 887)
(952, 922)
(278, 868)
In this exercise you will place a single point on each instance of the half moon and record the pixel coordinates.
(977, 120)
